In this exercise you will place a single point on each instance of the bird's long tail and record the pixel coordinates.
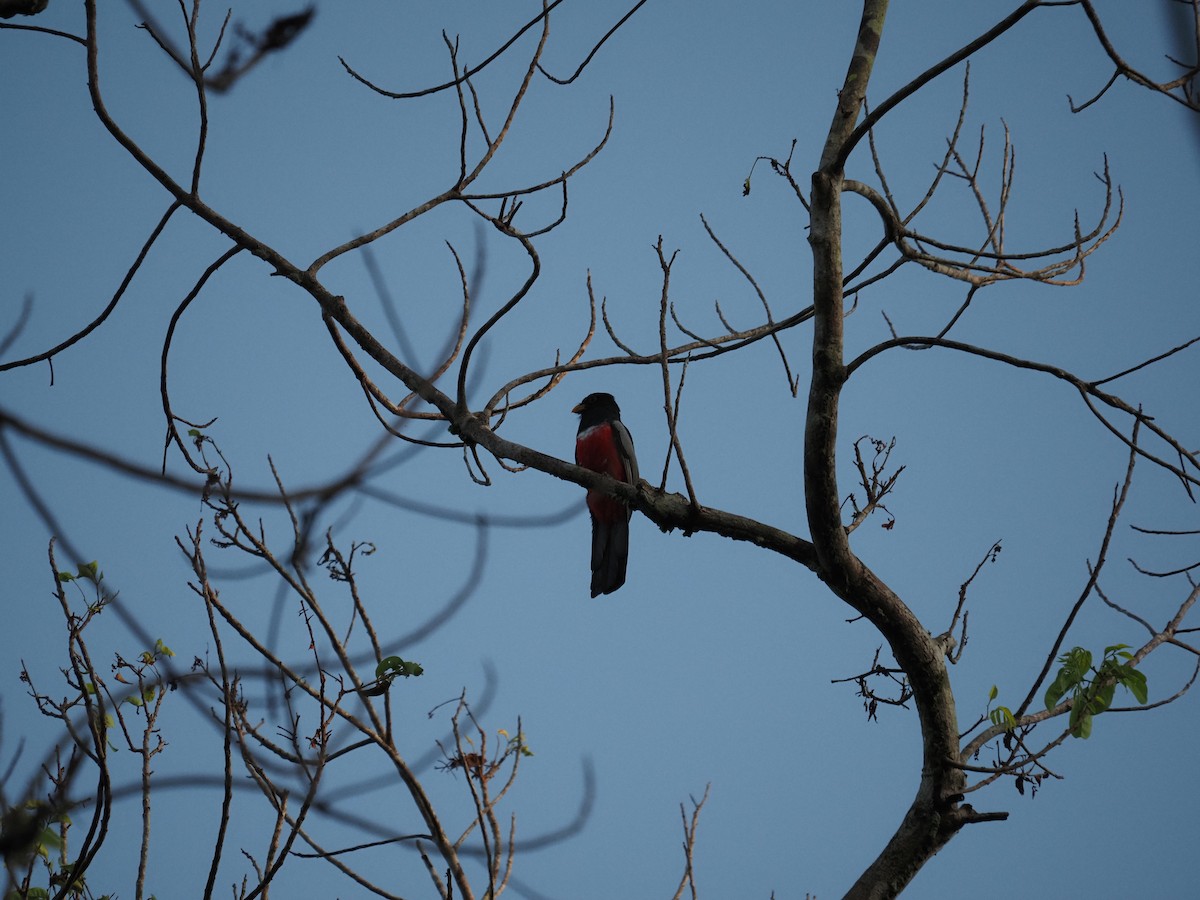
(610, 553)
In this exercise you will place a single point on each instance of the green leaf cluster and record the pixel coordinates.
(1089, 688)
(85, 571)
(389, 669)
(1001, 715)
(392, 666)
(150, 657)
(516, 744)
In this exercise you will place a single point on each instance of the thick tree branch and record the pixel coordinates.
(935, 814)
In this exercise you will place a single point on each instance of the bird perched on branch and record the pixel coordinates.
(603, 445)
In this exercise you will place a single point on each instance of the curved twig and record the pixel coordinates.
(459, 79)
(112, 304)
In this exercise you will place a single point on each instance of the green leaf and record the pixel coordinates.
(387, 671)
(1077, 713)
(90, 571)
(1081, 721)
(1077, 662)
(1103, 698)
(1003, 717)
(993, 693)
(1083, 730)
(64, 577)
(49, 840)
(1058, 688)
(392, 666)
(1134, 681)
(1053, 695)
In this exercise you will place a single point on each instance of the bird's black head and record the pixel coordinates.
(596, 408)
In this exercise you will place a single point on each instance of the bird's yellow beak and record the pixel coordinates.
(578, 407)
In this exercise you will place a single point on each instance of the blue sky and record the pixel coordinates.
(714, 663)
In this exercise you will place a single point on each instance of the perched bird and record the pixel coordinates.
(603, 445)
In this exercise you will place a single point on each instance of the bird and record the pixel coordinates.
(603, 444)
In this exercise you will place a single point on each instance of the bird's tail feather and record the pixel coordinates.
(610, 553)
